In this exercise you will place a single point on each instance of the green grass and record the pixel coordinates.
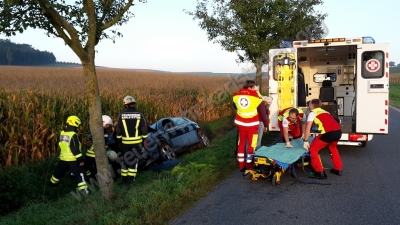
(155, 198)
(394, 94)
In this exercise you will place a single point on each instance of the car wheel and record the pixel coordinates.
(204, 141)
(166, 152)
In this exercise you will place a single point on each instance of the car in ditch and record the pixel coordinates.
(169, 137)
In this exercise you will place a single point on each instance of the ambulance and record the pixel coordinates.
(349, 75)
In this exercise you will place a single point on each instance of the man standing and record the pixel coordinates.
(330, 134)
(71, 156)
(290, 118)
(246, 102)
(131, 130)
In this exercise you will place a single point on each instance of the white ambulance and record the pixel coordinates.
(349, 75)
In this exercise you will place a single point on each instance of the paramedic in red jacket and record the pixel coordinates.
(290, 118)
(246, 101)
(329, 136)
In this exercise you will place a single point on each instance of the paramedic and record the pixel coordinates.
(290, 118)
(131, 130)
(330, 135)
(246, 101)
(71, 157)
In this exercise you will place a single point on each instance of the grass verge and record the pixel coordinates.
(155, 198)
(394, 94)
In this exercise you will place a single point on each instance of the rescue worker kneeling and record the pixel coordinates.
(71, 156)
(290, 118)
(330, 135)
(131, 131)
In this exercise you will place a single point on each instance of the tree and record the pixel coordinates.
(252, 27)
(81, 26)
(391, 64)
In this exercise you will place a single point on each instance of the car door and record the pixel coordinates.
(174, 133)
(188, 129)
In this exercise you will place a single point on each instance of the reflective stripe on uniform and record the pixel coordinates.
(132, 172)
(247, 124)
(124, 172)
(82, 185)
(54, 180)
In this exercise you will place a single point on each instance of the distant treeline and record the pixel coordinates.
(23, 55)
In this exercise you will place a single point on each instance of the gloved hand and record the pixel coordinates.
(306, 145)
(288, 145)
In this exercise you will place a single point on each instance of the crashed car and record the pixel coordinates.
(169, 137)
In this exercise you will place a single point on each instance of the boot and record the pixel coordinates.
(337, 172)
(320, 175)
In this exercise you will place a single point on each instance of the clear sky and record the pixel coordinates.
(162, 37)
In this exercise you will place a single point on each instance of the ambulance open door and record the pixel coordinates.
(372, 89)
(282, 75)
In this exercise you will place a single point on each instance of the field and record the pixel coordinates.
(35, 102)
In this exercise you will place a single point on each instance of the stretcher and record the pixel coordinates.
(271, 162)
(286, 66)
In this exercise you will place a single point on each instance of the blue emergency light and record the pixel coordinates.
(368, 40)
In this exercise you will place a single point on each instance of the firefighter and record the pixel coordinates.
(90, 161)
(330, 134)
(131, 131)
(246, 101)
(71, 156)
(290, 118)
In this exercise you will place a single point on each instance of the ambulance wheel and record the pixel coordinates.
(363, 144)
(274, 182)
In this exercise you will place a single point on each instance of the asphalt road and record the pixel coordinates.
(367, 193)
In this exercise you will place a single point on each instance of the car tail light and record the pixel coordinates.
(358, 137)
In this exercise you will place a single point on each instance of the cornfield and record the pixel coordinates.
(35, 102)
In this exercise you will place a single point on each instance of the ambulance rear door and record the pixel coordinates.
(282, 75)
(372, 89)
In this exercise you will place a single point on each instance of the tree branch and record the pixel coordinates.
(117, 17)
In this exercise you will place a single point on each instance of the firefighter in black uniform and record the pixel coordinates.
(131, 130)
(90, 160)
(71, 156)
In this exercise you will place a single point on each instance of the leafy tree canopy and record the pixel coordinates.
(252, 27)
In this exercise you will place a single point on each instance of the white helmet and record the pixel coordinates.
(112, 155)
(129, 99)
(107, 120)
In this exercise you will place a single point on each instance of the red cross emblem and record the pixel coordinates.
(372, 65)
(244, 102)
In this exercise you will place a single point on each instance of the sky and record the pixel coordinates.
(163, 37)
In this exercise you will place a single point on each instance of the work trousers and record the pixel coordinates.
(129, 164)
(295, 131)
(90, 167)
(329, 139)
(73, 166)
(249, 135)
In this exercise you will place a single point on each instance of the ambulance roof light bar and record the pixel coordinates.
(327, 40)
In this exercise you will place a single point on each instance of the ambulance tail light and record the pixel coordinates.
(368, 40)
(358, 137)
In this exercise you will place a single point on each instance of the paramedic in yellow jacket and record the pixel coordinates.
(246, 102)
(71, 157)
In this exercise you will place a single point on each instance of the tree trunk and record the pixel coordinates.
(258, 64)
(104, 178)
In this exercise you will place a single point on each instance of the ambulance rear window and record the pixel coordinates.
(372, 64)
